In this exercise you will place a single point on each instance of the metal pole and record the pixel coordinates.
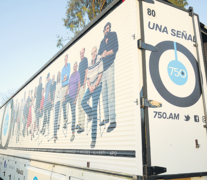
(199, 63)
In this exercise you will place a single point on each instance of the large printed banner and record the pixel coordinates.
(177, 136)
(82, 103)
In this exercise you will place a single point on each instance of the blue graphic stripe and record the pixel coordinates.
(175, 48)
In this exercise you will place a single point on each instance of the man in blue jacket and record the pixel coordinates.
(65, 81)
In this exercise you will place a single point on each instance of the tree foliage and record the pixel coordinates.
(79, 13)
(5, 96)
(179, 3)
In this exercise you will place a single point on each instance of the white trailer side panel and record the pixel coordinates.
(116, 151)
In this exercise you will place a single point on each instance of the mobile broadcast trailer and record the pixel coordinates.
(149, 86)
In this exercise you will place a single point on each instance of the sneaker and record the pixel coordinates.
(64, 127)
(72, 138)
(80, 130)
(93, 143)
(111, 127)
(104, 122)
(43, 131)
(77, 127)
(55, 139)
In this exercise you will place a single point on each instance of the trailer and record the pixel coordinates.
(124, 99)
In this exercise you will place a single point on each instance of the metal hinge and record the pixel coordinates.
(150, 103)
(196, 45)
(155, 170)
(149, 1)
(142, 45)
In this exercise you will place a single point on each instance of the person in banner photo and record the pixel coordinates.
(83, 66)
(65, 74)
(47, 104)
(38, 97)
(29, 119)
(57, 94)
(51, 97)
(14, 116)
(71, 97)
(40, 110)
(34, 123)
(31, 116)
(108, 49)
(18, 121)
(26, 112)
(94, 75)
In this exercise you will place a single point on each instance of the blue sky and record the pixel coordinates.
(28, 36)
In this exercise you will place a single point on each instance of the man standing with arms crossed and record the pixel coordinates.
(108, 49)
(65, 81)
(94, 75)
(83, 66)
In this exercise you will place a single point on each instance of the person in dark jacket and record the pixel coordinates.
(108, 49)
(38, 95)
(26, 112)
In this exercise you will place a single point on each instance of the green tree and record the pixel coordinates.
(179, 3)
(79, 13)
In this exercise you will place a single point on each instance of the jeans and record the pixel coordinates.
(81, 112)
(108, 94)
(47, 110)
(70, 100)
(63, 92)
(57, 108)
(38, 116)
(24, 124)
(18, 131)
(92, 111)
(13, 125)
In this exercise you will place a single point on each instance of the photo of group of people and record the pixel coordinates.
(73, 86)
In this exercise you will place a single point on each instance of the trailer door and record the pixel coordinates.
(176, 130)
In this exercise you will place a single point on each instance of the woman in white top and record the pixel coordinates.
(57, 104)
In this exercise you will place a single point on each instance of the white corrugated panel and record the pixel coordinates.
(114, 151)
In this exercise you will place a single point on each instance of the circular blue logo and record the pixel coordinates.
(176, 70)
(181, 71)
(6, 123)
(35, 178)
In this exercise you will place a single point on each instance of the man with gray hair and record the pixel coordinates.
(71, 97)
(83, 66)
(94, 75)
